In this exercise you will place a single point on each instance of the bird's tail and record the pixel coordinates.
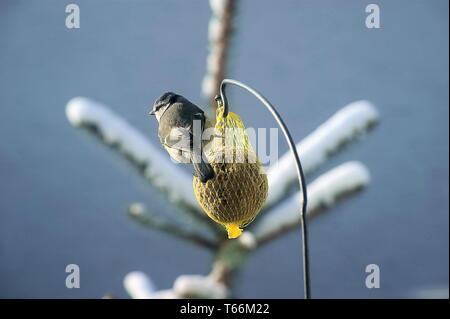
(202, 169)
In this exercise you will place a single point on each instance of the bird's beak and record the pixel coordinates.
(152, 112)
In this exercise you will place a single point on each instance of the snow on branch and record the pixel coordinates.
(322, 193)
(343, 126)
(139, 285)
(198, 286)
(115, 131)
(219, 34)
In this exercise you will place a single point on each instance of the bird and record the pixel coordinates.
(181, 126)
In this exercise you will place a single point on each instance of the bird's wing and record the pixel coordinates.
(179, 139)
(179, 143)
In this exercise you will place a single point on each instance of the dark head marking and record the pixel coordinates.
(166, 98)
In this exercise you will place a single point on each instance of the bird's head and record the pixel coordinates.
(163, 103)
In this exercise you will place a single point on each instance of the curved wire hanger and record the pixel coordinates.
(300, 174)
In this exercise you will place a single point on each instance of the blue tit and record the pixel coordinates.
(181, 126)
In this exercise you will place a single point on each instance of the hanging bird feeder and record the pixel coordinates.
(239, 189)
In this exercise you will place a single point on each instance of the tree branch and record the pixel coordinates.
(344, 126)
(323, 192)
(156, 167)
(138, 213)
(219, 33)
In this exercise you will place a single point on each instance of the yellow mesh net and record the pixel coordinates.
(239, 188)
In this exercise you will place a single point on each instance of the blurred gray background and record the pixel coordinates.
(63, 195)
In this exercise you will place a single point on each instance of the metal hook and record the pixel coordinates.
(300, 174)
